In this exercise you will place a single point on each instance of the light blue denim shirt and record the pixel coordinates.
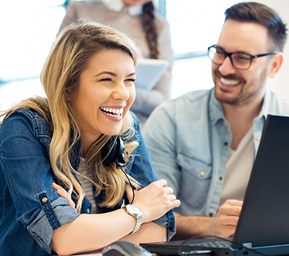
(189, 139)
(30, 209)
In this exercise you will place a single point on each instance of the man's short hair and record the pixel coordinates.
(263, 15)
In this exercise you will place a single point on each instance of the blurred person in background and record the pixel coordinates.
(150, 31)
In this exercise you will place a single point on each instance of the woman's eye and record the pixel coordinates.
(131, 80)
(105, 80)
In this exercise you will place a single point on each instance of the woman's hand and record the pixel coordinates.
(62, 192)
(154, 200)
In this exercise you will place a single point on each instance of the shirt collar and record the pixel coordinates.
(265, 105)
(118, 5)
(216, 110)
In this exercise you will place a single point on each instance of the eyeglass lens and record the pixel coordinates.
(238, 60)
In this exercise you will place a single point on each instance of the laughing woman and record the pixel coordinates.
(74, 168)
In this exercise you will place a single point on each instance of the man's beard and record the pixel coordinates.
(242, 98)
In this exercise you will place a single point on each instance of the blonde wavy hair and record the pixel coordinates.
(68, 58)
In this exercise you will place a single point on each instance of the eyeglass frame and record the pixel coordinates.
(229, 54)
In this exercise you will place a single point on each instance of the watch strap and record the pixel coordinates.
(137, 225)
(138, 218)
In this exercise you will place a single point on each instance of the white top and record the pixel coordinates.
(86, 184)
(117, 5)
(238, 169)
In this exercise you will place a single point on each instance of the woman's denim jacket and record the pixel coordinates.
(30, 209)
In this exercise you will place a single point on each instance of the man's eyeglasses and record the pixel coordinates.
(239, 60)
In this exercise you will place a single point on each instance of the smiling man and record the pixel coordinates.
(204, 143)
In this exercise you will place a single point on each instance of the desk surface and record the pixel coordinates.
(98, 253)
(95, 253)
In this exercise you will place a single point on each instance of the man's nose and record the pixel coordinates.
(227, 67)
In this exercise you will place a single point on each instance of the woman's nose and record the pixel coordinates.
(121, 92)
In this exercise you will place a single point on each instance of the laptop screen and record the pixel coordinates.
(264, 219)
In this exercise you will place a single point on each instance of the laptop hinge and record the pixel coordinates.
(247, 245)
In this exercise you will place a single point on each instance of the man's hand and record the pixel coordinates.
(225, 222)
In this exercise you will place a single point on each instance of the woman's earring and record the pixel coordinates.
(67, 96)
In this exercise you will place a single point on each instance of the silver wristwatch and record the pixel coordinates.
(134, 211)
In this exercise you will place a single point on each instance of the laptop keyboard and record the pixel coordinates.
(211, 244)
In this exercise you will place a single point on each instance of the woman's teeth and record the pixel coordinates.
(114, 112)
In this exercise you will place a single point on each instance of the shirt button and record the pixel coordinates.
(226, 143)
(44, 199)
(202, 173)
(220, 178)
(88, 211)
(225, 123)
(211, 214)
(258, 138)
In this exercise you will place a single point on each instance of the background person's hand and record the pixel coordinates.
(154, 200)
(62, 192)
(225, 222)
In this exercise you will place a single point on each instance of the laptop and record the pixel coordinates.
(263, 226)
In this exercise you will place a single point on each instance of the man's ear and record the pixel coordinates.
(275, 64)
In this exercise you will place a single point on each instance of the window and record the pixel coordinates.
(29, 29)
(195, 25)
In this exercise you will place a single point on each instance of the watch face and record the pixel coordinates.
(133, 209)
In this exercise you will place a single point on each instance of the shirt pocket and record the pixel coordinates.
(195, 180)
